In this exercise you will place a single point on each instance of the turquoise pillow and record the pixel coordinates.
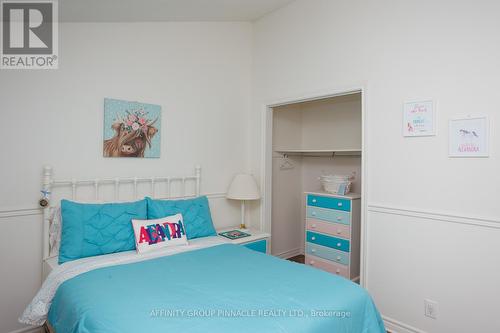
(96, 229)
(195, 212)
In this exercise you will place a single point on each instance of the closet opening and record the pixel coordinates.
(316, 153)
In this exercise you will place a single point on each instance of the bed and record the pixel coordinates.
(208, 285)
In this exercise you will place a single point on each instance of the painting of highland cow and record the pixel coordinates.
(131, 129)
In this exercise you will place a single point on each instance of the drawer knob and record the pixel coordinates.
(339, 245)
(311, 262)
(339, 231)
(313, 213)
(313, 250)
(338, 258)
(313, 200)
(339, 204)
(313, 226)
(337, 271)
(339, 218)
(313, 238)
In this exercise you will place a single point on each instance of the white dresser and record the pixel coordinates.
(332, 234)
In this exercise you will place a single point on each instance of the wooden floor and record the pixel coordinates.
(300, 259)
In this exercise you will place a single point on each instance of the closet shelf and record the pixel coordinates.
(319, 152)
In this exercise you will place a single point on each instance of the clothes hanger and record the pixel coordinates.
(286, 164)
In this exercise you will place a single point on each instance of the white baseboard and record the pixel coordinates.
(394, 326)
(290, 253)
(29, 329)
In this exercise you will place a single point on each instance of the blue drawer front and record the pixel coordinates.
(259, 246)
(329, 215)
(327, 253)
(329, 202)
(329, 241)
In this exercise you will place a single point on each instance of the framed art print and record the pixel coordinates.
(131, 129)
(469, 137)
(419, 119)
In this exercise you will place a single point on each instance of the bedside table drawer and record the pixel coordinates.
(328, 266)
(259, 246)
(330, 215)
(328, 241)
(329, 202)
(327, 253)
(334, 229)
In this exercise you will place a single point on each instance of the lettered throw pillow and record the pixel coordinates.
(159, 233)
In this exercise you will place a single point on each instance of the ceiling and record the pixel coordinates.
(165, 10)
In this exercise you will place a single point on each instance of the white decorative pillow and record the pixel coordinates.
(155, 234)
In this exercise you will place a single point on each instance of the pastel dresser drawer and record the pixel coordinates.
(329, 202)
(259, 246)
(328, 241)
(327, 253)
(331, 215)
(326, 265)
(335, 229)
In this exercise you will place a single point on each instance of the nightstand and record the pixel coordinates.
(258, 241)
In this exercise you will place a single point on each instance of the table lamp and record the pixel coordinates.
(243, 187)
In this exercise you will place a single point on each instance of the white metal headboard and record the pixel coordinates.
(49, 184)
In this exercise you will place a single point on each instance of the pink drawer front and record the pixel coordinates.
(334, 229)
(328, 266)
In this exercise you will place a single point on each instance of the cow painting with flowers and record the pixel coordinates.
(131, 129)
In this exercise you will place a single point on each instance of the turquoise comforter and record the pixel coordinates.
(225, 288)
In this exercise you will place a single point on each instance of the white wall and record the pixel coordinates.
(287, 225)
(333, 123)
(287, 127)
(325, 124)
(433, 222)
(200, 73)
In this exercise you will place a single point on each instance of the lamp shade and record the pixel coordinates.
(243, 187)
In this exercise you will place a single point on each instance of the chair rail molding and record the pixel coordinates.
(9, 212)
(434, 215)
(14, 212)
